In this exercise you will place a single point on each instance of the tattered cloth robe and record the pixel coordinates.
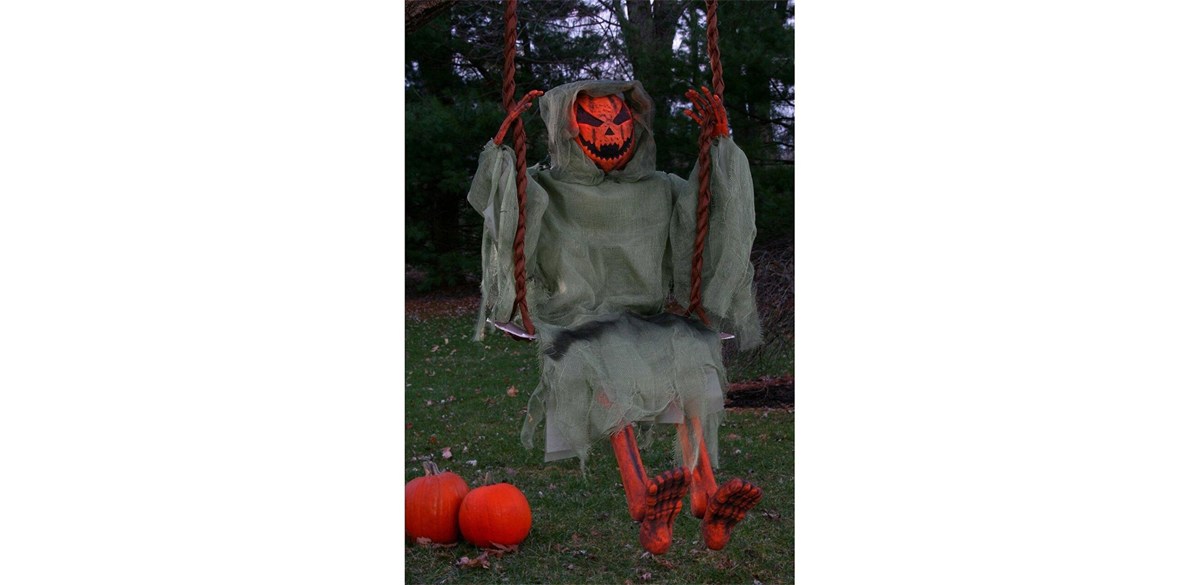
(604, 252)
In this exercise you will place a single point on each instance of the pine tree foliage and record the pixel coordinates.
(453, 78)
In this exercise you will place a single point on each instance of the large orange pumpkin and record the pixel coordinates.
(496, 514)
(431, 505)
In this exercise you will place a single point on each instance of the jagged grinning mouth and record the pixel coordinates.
(608, 151)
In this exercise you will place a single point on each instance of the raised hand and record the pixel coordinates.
(517, 109)
(711, 115)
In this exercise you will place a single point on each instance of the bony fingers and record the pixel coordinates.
(525, 103)
(529, 97)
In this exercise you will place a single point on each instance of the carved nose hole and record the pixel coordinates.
(609, 132)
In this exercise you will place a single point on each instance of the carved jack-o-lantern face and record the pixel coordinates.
(605, 130)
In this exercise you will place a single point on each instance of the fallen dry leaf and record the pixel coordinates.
(422, 541)
(500, 549)
(480, 561)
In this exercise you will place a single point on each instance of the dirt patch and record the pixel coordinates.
(765, 392)
(458, 302)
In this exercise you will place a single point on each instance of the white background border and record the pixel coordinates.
(201, 311)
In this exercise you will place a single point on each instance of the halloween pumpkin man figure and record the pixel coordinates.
(608, 240)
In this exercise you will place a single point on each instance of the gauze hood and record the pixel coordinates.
(568, 163)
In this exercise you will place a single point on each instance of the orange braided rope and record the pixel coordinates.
(695, 304)
(509, 90)
(704, 199)
(714, 51)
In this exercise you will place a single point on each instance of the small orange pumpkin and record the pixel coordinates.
(431, 505)
(496, 514)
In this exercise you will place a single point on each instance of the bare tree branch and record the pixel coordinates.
(419, 12)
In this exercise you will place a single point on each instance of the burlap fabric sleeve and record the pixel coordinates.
(494, 195)
(728, 274)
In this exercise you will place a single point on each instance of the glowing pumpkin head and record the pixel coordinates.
(605, 130)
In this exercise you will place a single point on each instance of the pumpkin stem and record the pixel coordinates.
(431, 468)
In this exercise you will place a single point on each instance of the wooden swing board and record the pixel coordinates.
(516, 331)
(512, 329)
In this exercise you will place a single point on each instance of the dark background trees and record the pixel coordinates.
(453, 92)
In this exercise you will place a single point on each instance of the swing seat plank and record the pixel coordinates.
(516, 331)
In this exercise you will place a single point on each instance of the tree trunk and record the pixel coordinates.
(649, 32)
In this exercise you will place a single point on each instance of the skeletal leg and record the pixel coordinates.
(703, 482)
(633, 475)
(654, 502)
(726, 508)
(664, 500)
(720, 507)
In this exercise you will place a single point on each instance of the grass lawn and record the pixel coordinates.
(467, 400)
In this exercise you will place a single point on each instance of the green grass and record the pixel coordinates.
(456, 397)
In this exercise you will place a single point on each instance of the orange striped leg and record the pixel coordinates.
(633, 474)
(720, 507)
(664, 501)
(656, 501)
(704, 484)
